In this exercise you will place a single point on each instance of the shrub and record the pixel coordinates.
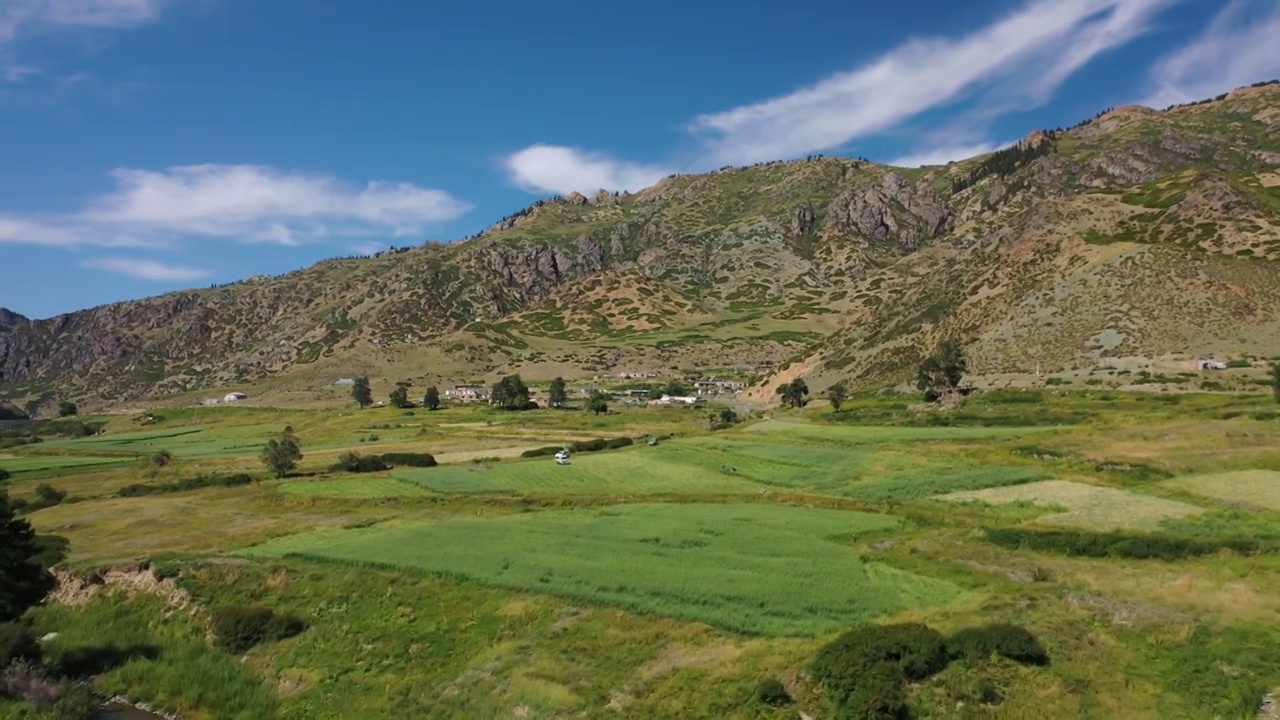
(771, 692)
(161, 459)
(352, 461)
(409, 459)
(881, 694)
(844, 665)
(1008, 641)
(236, 629)
(77, 702)
(197, 482)
(546, 451)
(17, 643)
(4, 475)
(1075, 543)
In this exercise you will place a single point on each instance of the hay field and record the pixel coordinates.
(1255, 488)
(1090, 507)
(751, 568)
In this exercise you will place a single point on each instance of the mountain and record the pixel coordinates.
(10, 319)
(1138, 232)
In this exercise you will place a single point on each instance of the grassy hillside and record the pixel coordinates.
(1139, 233)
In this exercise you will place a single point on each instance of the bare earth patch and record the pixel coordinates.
(1087, 506)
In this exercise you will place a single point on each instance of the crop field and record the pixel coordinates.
(353, 488)
(751, 568)
(636, 471)
(34, 463)
(1255, 488)
(1086, 506)
(669, 580)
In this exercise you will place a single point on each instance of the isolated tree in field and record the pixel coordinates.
(724, 417)
(1275, 379)
(431, 400)
(161, 459)
(794, 394)
(510, 393)
(67, 409)
(23, 582)
(400, 396)
(836, 395)
(362, 393)
(558, 395)
(940, 373)
(281, 455)
(598, 403)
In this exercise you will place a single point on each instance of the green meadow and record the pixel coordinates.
(668, 580)
(756, 569)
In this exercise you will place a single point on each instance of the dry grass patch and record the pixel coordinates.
(1256, 488)
(1086, 506)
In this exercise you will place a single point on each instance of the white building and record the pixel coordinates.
(234, 396)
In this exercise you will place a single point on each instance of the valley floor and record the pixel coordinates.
(668, 580)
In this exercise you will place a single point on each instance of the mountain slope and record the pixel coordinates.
(1138, 232)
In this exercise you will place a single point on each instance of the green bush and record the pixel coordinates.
(771, 692)
(4, 475)
(237, 629)
(847, 664)
(545, 451)
(17, 643)
(409, 459)
(1078, 543)
(77, 702)
(198, 482)
(1007, 641)
(351, 461)
(880, 694)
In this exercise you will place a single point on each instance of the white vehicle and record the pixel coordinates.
(562, 457)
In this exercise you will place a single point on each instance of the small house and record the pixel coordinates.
(344, 381)
(1211, 364)
(467, 393)
(234, 396)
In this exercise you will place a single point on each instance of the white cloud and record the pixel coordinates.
(147, 269)
(368, 248)
(1240, 47)
(1025, 56)
(17, 73)
(1016, 62)
(943, 154)
(247, 202)
(19, 15)
(551, 168)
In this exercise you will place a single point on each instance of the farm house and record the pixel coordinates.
(234, 396)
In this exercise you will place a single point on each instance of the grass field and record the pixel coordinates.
(353, 488)
(1085, 506)
(1256, 488)
(750, 568)
(637, 471)
(34, 463)
(667, 581)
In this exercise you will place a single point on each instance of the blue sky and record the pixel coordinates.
(151, 145)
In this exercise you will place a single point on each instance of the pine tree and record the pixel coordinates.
(431, 400)
(558, 395)
(23, 582)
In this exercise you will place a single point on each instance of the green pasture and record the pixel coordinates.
(756, 569)
(637, 471)
(353, 488)
(35, 463)
(876, 435)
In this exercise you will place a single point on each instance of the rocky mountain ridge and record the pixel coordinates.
(1136, 232)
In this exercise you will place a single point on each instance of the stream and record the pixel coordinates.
(116, 711)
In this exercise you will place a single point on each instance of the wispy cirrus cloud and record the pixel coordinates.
(147, 269)
(1016, 62)
(18, 16)
(1241, 46)
(243, 202)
